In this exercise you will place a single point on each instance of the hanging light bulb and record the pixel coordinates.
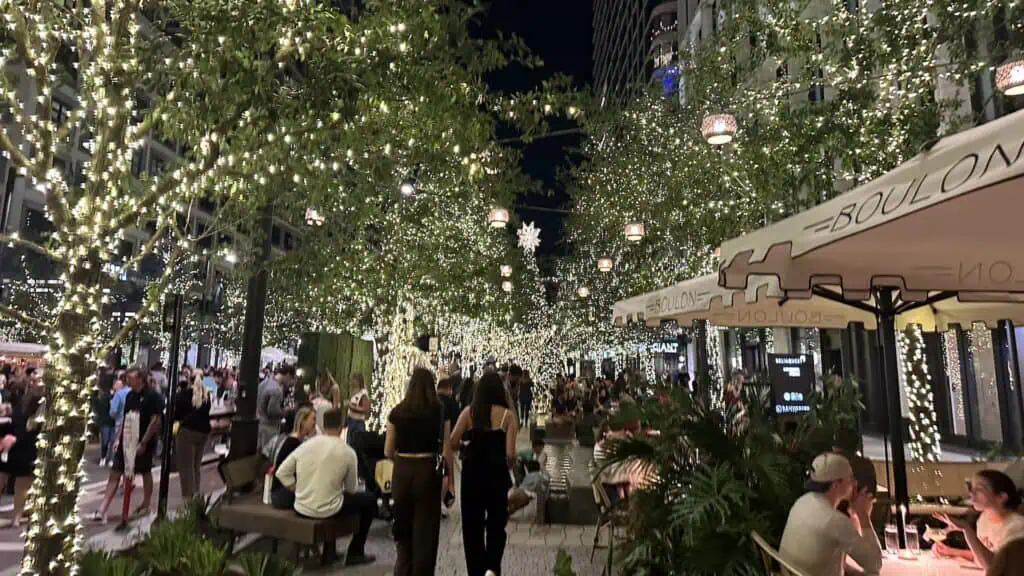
(718, 129)
(506, 285)
(583, 291)
(497, 217)
(605, 264)
(409, 187)
(506, 270)
(634, 231)
(313, 218)
(1010, 77)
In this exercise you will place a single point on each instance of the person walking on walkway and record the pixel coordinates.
(415, 440)
(18, 444)
(270, 407)
(149, 405)
(104, 422)
(489, 429)
(192, 414)
(525, 398)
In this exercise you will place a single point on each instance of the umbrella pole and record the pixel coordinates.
(887, 334)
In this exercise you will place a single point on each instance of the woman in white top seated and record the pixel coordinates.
(358, 406)
(995, 495)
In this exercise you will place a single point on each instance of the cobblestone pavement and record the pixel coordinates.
(531, 551)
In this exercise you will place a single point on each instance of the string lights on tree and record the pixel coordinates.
(925, 437)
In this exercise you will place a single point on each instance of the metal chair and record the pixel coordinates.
(610, 514)
(772, 558)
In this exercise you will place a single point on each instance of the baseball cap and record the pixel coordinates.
(829, 467)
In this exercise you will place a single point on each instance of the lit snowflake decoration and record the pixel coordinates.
(529, 238)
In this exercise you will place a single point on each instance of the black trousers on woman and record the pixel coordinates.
(416, 489)
(484, 517)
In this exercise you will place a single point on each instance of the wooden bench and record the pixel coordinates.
(242, 510)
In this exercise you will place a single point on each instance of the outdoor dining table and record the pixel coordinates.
(927, 564)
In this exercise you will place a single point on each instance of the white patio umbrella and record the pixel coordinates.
(943, 225)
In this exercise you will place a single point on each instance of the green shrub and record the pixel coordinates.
(266, 565)
(563, 564)
(99, 563)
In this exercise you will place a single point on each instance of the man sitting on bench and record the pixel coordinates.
(322, 471)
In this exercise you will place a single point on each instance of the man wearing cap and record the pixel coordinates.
(818, 537)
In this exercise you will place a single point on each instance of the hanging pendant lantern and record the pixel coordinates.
(506, 285)
(583, 291)
(506, 270)
(605, 264)
(634, 231)
(718, 129)
(497, 218)
(1010, 77)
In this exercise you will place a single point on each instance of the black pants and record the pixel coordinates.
(416, 488)
(484, 517)
(364, 505)
(524, 411)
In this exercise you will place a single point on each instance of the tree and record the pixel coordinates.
(260, 91)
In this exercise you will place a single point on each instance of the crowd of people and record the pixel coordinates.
(21, 395)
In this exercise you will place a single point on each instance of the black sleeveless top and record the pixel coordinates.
(485, 449)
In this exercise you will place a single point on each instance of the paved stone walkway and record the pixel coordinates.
(531, 551)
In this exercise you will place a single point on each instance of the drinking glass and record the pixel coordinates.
(913, 543)
(892, 540)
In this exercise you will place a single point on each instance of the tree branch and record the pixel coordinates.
(15, 153)
(24, 318)
(144, 310)
(19, 241)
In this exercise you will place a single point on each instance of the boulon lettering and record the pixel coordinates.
(974, 270)
(885, 205)
(914, 199)
(945, 179)
(877, 197)
(1000, 272)
(847, 213)
(1006, 158)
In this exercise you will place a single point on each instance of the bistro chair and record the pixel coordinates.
(773, 561)
(609, 515)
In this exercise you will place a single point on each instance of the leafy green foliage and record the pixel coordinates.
(716, 476)
(100, 563)
(563, 564)
(266, 565)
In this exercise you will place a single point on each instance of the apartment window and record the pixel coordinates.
(289, 241)
(138, 162)
(125, 250)
(59, 111)
(156, 165)
(35, 226)
(275, 236)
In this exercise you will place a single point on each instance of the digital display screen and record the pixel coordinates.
(792, 378)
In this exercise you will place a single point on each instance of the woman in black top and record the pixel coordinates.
(18, 444)
(490, 431)
(303, 427)
(192, 413)
(415, 437)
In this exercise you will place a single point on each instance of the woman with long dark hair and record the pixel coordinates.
(415, 441)
(994, 494)
(489, 429)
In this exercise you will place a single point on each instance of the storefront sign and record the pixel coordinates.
(792, 378)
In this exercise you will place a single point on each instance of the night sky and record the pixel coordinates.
(559, 32)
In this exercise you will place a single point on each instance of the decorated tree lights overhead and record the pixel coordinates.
(282, 103)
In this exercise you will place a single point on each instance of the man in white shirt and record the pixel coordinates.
(322, 472)
(818, 538)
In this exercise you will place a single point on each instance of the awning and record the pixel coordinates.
(22, 349)
(761, 305)
(947, 220)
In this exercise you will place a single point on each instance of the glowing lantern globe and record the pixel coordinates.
(497, 217)
(583, 292)
(506, 270)
(1010, 77)
(506, 285)
(634, 231)
(605, 264)
(718, 129)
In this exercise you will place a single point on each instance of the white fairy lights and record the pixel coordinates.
(925, 438)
